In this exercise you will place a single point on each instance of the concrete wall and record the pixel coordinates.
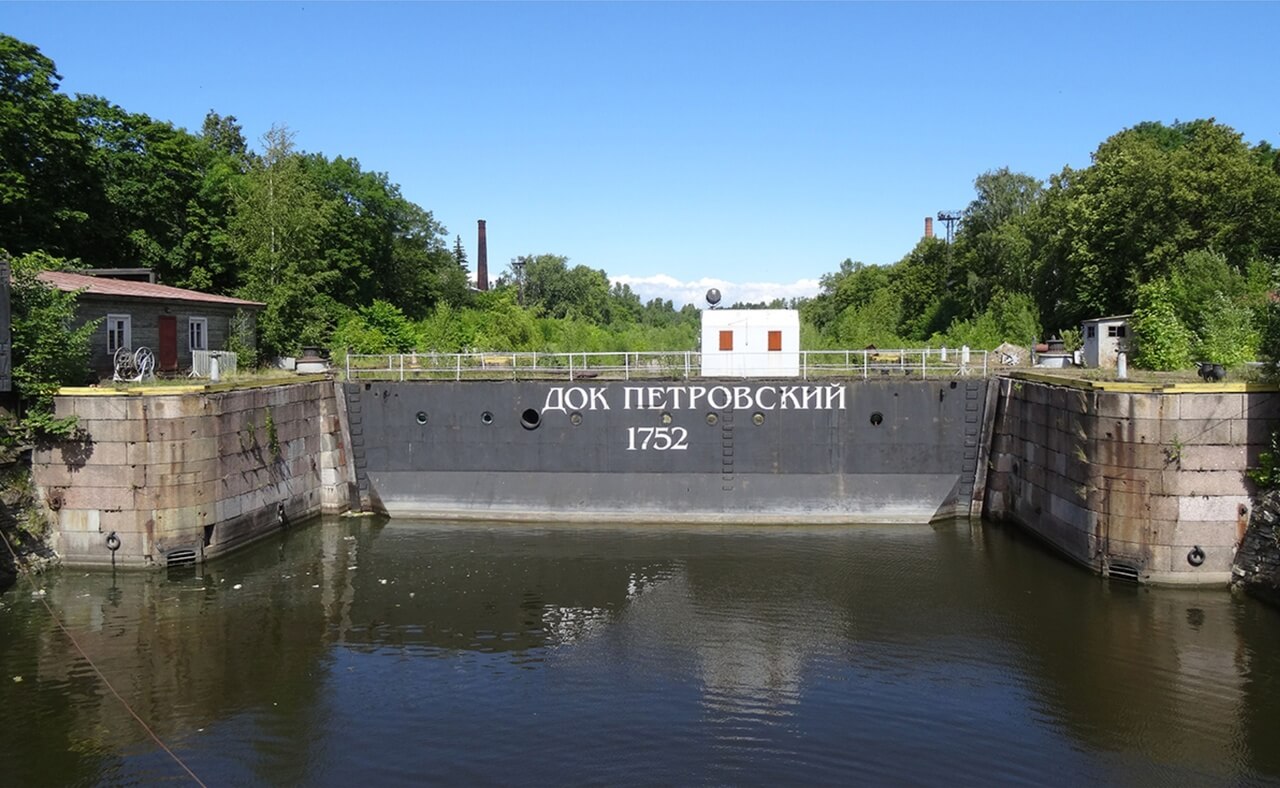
(1123, 479)
(204, 471)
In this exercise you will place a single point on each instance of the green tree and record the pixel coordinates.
(460, 253)
(49, 350)
(1152, 194)
(45, 177)
(279, 221)
(994, 248)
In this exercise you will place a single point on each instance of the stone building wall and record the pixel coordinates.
(200, 472)
(1128, 480)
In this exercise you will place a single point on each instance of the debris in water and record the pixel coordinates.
(237, 587)
(17, 679)
(37, 594)
(382, 580)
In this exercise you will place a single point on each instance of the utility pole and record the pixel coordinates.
(518, 265)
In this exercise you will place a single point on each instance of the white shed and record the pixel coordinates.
(1104, 338)
(750, 343)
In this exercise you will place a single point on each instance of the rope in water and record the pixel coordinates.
(34, 591)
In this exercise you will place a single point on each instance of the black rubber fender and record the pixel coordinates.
(1196, 556)
(113, 542)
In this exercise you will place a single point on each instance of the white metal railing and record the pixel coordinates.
(200, 365)
(678, 365)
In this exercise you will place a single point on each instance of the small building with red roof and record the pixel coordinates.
(174, 323)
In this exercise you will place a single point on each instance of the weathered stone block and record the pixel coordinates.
(1201, 508)
(1213, 458)
(1213, 407)
(1113, 454)
(1264, 406)
(81, 547)
(59, 475)
(83, 496)
(1205, 483)
(1216, 534)
(1196, 432)
(175, 407)
(1252, 432)
(122, 431)
(1126, 430)
(79, 520)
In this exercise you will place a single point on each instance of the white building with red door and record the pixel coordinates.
(175, 324)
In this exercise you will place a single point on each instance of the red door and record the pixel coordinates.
(167, 358)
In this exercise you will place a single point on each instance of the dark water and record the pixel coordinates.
(354, 652)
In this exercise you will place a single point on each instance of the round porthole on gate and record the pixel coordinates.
(877, 418)
(575, 418)
(530, 419)
(712, 419)
(421, 417)
(665, 418)
(486, 418)
(757, 418)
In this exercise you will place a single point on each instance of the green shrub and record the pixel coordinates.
(1163, 342)
(1227, 335)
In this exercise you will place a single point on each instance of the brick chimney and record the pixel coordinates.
(482, 260)
(928, 227)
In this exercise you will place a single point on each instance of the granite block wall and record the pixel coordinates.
(197, 472)
(1148, 484)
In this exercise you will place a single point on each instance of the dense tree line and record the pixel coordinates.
(1179, 224)
(336, 253)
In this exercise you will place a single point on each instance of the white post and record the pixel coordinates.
(1122, 366)
(215, 374)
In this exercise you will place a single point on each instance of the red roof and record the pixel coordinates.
(123, 288)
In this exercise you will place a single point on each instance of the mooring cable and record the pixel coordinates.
(35, 593)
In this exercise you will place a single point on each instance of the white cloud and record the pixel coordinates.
(694, 291)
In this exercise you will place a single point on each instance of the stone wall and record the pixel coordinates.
(1257, 567)
(197, 472)
(1128, 480)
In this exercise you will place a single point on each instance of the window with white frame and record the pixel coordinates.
(199, 333)
(119, 328)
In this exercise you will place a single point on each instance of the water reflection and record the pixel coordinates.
(398, 651)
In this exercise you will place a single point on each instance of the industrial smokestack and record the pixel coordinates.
(482, 260)
(928, 227)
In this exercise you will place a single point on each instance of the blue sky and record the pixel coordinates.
(678, 145)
